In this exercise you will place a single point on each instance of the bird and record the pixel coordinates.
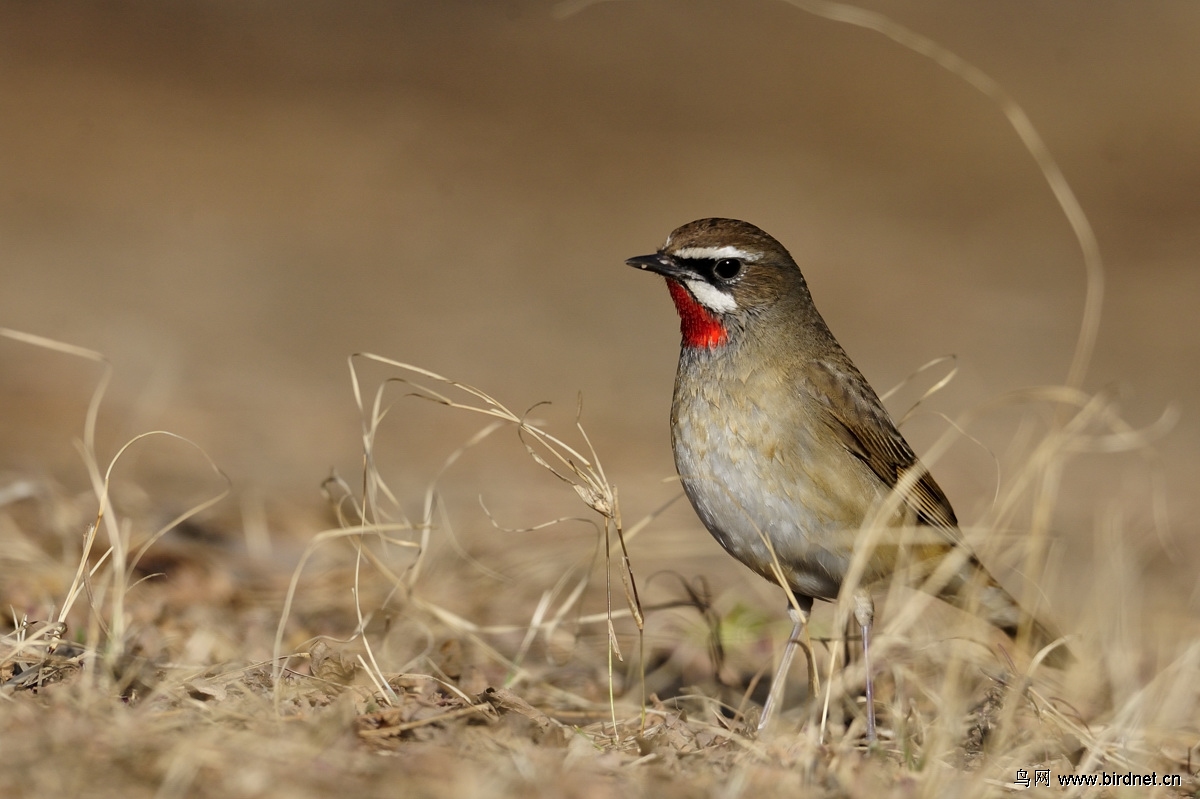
(787, 454)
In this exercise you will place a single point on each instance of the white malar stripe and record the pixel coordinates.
(711, 297)
(717, 253)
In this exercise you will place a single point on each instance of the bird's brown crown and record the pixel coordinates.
(716, 232)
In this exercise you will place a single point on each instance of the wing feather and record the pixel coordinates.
(855, 414)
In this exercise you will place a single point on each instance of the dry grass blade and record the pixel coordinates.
(399, 729)
(113, 622)
(354, 533)
(583, 473)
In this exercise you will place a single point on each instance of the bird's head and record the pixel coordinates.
(722, 273)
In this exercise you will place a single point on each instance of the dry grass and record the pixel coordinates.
(184, 659)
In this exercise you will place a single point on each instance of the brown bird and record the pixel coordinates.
(784, 449)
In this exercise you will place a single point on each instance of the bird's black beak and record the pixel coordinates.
(663, 264)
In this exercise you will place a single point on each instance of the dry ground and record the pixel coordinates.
(226, 200)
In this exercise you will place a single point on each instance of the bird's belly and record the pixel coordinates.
(769, 499)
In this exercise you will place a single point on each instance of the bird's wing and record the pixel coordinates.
(855, 414)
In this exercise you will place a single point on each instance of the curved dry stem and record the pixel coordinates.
(278, 659)
(1032, 140)
(583, 473)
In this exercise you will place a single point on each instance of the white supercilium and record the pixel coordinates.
(717, 253)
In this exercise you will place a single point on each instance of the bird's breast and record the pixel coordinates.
(765, 477)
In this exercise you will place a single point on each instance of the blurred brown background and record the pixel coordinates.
(228, 198)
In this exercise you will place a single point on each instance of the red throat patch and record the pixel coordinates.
(697, 324)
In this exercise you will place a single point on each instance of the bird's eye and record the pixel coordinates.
(727, 268)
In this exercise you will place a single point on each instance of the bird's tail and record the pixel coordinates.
(981, 595)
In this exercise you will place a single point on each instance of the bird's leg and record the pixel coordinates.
(814, 676)
(799, 617)
(864, 614)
